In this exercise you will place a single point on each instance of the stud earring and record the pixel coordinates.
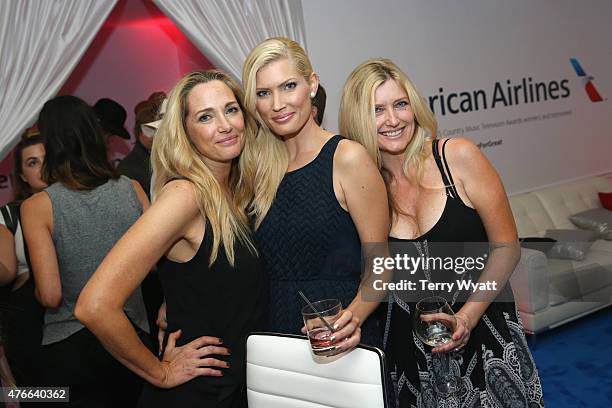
(312, 95)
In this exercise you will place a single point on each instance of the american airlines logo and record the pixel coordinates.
(500, 94)
(587, 81)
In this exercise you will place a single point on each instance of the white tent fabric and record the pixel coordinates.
(40, 44)
(225, 31)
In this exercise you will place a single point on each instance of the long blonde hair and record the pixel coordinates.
(272, 154)
(173, 156)
(357, 119)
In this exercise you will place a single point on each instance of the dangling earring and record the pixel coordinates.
(312, 95)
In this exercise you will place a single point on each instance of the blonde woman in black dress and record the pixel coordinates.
(213, 283)
(442, 191)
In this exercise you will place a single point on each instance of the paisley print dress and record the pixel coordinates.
(496, 365)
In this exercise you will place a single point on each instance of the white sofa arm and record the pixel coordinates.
(530, 281)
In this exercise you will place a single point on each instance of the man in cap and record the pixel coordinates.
(112, 118)
(136, 165)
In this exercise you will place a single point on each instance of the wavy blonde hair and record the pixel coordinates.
(272, 154)
(357, 119)
(173, 156)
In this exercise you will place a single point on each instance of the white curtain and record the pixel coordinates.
(41, 42)
(225, 31)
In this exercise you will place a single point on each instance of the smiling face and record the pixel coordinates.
(32, 158)
(283, 97)
(214, 123)
(394, 117)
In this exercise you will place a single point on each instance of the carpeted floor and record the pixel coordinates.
(575, 362)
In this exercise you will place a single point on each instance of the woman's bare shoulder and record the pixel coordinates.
(36, 202)
(351, 153)
(178, 194)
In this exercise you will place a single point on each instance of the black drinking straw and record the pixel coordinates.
(331, 329)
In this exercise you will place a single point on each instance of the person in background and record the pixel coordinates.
(69, 228)
(137, 166)
(318, 105)
(24, 315)
(318, 197)
(381, 109)
(214, 284)
(112, 119)
(151, 128)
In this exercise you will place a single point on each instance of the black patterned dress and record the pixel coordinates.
(308, 242)
(496, 365)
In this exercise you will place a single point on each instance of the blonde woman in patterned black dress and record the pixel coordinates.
(442, 191)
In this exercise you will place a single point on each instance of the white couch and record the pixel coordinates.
(551, 292)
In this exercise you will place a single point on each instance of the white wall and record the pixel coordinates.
(472, 45)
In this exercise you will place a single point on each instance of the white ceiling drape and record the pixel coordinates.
(226, 31)
(40, 44)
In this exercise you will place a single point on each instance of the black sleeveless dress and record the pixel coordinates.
(220, 300)
(308, 242)
(496, 365)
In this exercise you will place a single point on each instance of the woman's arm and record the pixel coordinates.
(8, 259)
(485, 192)
(37, 225)
(171, 219)
(365, 196)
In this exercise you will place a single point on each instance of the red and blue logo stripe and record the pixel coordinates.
(587, 81)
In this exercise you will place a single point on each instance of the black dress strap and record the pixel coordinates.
(11, 217)
(442, 164)
(447, 168)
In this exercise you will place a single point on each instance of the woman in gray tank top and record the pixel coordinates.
(69, 228)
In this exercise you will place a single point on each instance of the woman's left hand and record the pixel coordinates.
(347, 331)
(460, 325)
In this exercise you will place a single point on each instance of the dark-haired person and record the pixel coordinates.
(69, 228)
(318, 105)
(137, 164)
(24, 314)
(112, 116)
(28, 157)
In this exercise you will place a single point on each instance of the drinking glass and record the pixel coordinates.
(318, 333)
(436, 333)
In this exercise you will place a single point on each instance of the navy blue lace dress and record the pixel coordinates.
(308, 242)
